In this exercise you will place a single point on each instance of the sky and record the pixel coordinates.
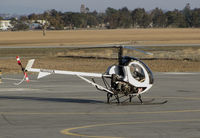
(39, 6)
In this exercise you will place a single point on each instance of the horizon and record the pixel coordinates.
(25, 7)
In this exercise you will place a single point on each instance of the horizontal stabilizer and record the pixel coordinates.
(43, 74)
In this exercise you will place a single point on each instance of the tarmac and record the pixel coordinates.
(59, 106)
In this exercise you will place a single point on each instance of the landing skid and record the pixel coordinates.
(144, 103)
(152, 102)
(116, 100)
(113, 96)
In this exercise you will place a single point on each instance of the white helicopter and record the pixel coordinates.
(130, 77)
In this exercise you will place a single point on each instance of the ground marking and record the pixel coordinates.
(68, 131)
(17, 79)
(16, 89)
(180, 73)
(100, 113)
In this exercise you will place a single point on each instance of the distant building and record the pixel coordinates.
(42, 22)
(37, 24)
(83, 9)
(34, 26)
(5, 24)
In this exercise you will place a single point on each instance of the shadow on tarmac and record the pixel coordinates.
(64, 100)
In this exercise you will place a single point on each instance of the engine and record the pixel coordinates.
(121, 87)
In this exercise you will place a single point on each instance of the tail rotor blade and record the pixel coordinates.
(26, 77)
(23, 70)
(18, 60)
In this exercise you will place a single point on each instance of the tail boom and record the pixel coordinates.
(45, 72)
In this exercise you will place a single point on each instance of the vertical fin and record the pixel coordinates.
(30, 64)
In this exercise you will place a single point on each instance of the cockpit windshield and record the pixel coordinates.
(137, 72)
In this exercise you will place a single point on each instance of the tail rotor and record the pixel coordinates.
(23, 70)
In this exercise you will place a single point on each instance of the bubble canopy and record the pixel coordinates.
(137, 70)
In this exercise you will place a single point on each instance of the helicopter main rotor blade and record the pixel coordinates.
(112, 46)
(133, 48)
(90, 47)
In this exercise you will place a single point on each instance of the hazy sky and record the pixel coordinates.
(38, 6)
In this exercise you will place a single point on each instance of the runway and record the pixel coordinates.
(64, 106)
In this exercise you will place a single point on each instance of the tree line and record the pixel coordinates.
(117, 18)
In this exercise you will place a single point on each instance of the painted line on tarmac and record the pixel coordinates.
(69, 133)
(17, 79)
(183, 98)
(180, 73)
(17, 89)
(112, 113)
(99, 113)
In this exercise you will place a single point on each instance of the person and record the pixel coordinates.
(140, 90)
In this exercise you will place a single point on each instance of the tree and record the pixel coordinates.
(67, 19)
(95, 13)
(23, 18)
(33, 16)
(125, 20)
(146, 21)
(158, 18)
(79, 20)
(87, 10)
(101, 18)
(187, 13)
(110, 11)
(56, 20)
(175, 19)
(91, 20)
(18, 25)
(140, 18)
(115, 18)
(46, 15)
(112, 17)
(196, 18)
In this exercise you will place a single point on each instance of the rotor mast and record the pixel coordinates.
(120, 54)
(120, 58)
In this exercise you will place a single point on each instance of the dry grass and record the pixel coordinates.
(166, 58)
(94, 37)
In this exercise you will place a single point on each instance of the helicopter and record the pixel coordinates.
(130, 77)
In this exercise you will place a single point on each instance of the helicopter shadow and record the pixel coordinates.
(58, 100)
